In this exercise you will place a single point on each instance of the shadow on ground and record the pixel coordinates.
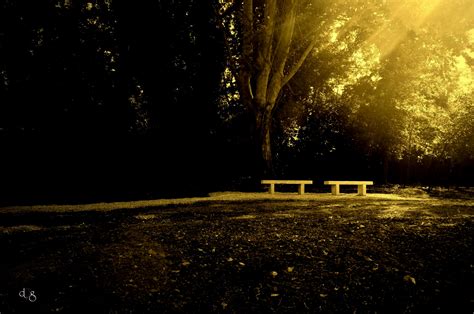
(328, 255)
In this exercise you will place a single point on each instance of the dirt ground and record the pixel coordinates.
(241, 253)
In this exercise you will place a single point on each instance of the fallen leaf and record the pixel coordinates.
(409, 278)
(368, 259)
(290, 269)
(274, 273)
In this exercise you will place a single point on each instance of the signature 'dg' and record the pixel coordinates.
(28, 295)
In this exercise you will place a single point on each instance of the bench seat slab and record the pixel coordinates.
(287, 182)
(349, 182)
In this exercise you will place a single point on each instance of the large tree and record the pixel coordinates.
(268, 43)
(266, 56)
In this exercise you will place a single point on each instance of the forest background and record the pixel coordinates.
(113, 100)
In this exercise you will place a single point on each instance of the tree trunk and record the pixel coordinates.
(409, 153)
(264, 147)
(264, 68)
(386, 161)
(408, 170)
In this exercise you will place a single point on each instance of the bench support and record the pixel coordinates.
(272, 188)
(301, 189)
(335, 189)
(362, 189)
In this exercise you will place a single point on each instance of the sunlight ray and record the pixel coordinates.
(412, 13)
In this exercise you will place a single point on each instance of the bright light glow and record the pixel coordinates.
(413, 14)
(466, 76)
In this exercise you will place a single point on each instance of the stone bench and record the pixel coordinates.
(361, 186)
(301, 184)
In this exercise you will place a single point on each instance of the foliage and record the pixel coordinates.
(393, 104)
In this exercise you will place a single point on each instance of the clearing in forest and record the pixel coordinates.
(241, 252)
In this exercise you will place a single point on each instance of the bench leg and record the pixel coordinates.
(301, 189)
(335, 189)
(272, 188)
(362, 189)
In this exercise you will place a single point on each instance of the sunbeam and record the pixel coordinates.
(412, 14)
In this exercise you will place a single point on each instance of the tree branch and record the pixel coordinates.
(300, 61)
(264, 54)
(247, 28)
(265, 39)
(247, 48)
(285, 36)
